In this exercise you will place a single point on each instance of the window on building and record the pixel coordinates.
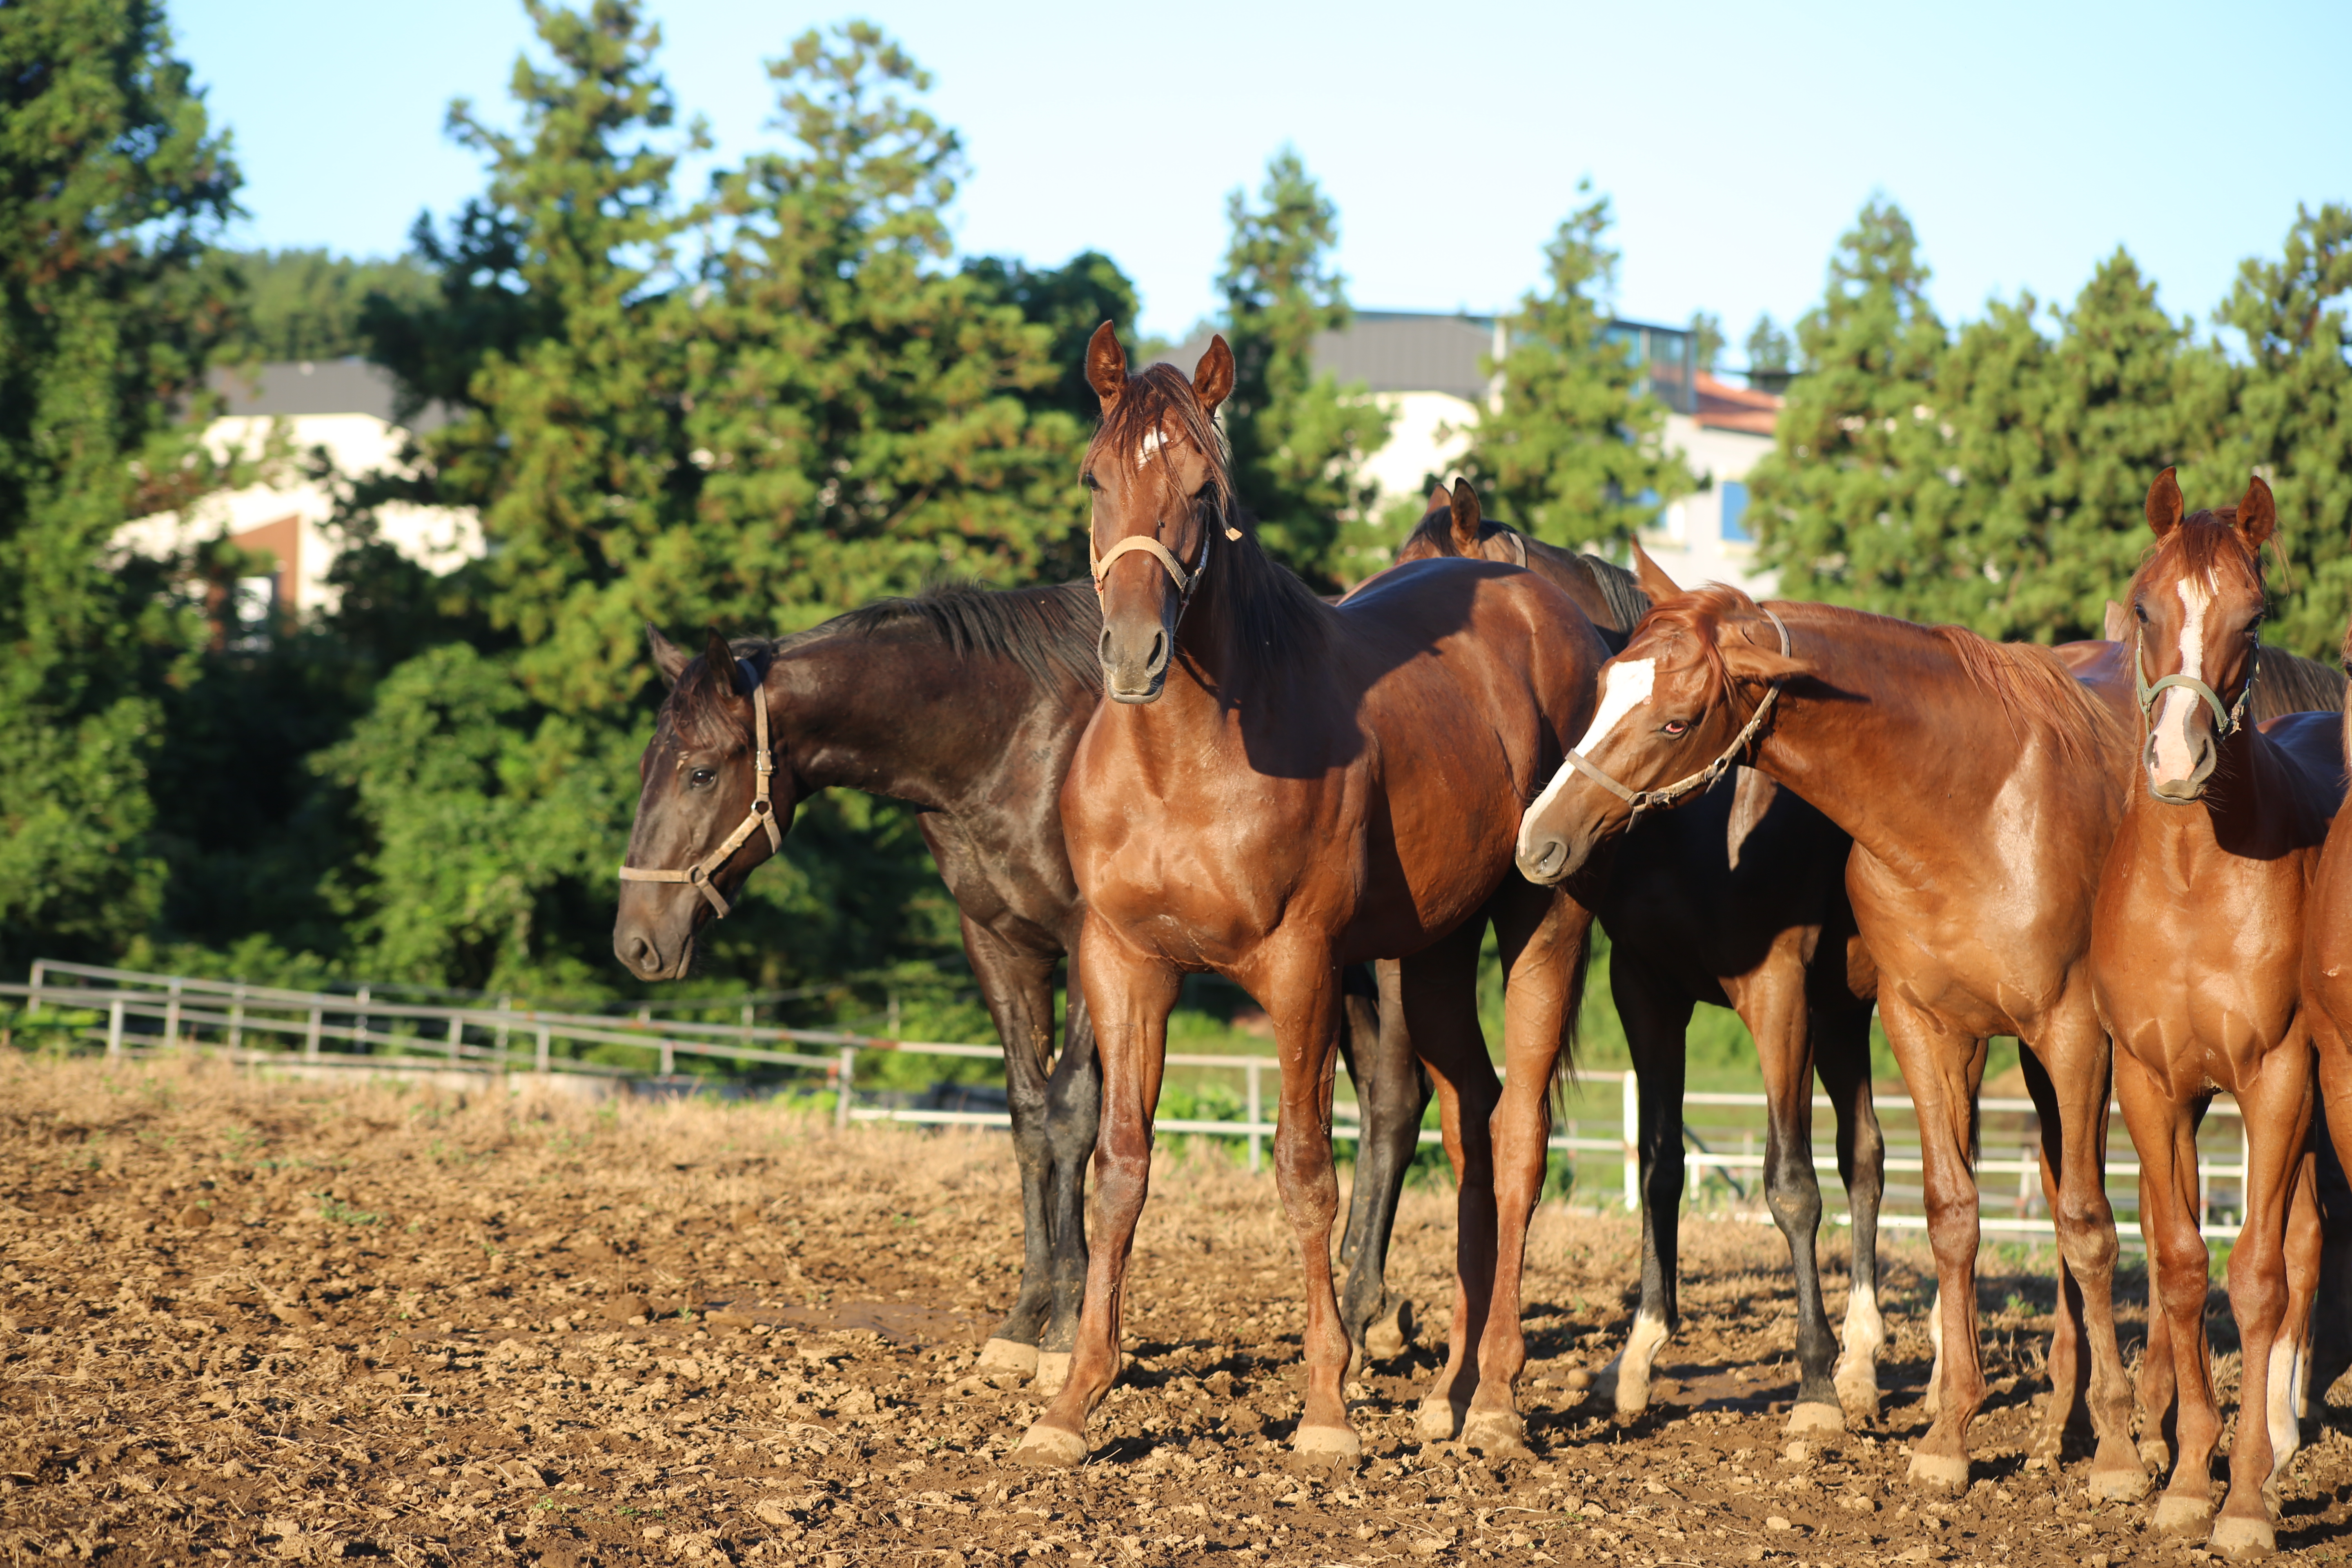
(1735, 512)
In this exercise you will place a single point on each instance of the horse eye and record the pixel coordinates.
(702, 778)
(2141, 611)
(1674, 726)
(1088, 480)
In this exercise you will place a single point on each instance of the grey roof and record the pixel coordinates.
(290, 387)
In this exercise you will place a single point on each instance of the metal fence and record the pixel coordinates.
(259, 1025)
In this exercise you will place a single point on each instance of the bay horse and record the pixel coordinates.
(967, 703)
(1276, 787)
(2197, 965)
(1737, 901)
(1980, 785)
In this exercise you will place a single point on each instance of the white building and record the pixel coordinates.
(342, 408)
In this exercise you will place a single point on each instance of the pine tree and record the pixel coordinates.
(1769, 352)
(1851, 500)
(1575, 454)
(113, 182)
(1300, 437)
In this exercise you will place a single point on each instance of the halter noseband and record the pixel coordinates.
(1668, 794)
(2225, 720)
(761, 814)
(1149, 543)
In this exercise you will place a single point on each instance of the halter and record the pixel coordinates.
(761, 814)
(1149, 545)
(2225, 720)
(1656, 799)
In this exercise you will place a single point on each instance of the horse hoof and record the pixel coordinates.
(1940, 1472)
(1858, 1398)
(1498, 1434)
(1813, 1419)
(1008, 1355)
(1437, 1420)
(2182, 1515)
(1326, 1443)
(1050, 1448)
(1052, 1372)
(2119, 1484)
(2234, 1535)
(1389, 1334)
(2155, 1456)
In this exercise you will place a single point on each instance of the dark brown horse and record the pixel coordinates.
(1276, 788)
(1737, 901)
(2195, 956)
(968, 704)
(1980, 785)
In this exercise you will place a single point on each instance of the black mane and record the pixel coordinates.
(1618, 589)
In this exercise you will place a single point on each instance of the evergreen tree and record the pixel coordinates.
(1769, 352)
(309, 304)
(1706, 340)
(1575, 454)
(1851, 500)
(2292, 417)
(1069, 301)
(1300, 437)
(113, 182)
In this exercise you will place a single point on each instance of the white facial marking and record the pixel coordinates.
(2175, 754)
(1623, 688)
(1152, 441)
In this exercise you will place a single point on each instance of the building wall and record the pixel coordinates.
(1691, 541)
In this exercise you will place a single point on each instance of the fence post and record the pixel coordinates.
(456, 1035)
(360, 1024)
(541, 1059)
(505, 1005)
(668, 1060)
(1633, 1126)
(311, 1039)
(236, 1019)
(172, 1014)
(114, 1028)
(1253, 1115)
(848, 1075)
(33, 999)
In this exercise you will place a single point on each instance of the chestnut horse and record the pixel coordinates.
(1277, 787)
(1979, 784)
(1737, 901)
(2197, 963)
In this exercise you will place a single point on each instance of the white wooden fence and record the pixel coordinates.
(259, 1025)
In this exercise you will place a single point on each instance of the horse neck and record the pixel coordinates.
(1564, 570)
(1890, 737)
(898, 715)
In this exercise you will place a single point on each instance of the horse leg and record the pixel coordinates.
(1655, 1012)
(1438, 989)
(2159, 1387)
(1302, 985)
(1541, 933)
(2276, 1109)
(1073, 1111)
(2164, 1131)
(1019, 993)
(1128, 995)
(2078, 1059)
(1841, 1057)
(1942, 1069)
(2331, 1325)
(1394, 1092)
(1771, 999)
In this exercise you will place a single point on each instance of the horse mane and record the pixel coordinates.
(1048, 632)
(2208, 542)
(2290, 683)
(1618, 589)
(2032, 686)
(1277, 619)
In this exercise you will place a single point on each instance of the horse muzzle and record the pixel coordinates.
(1135, 661)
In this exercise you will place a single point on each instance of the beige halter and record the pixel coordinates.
(761, 814)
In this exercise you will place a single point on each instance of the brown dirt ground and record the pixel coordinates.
(245, 1320)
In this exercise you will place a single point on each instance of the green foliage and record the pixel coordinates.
(1575, 454)
(1299, 438)
(115, 181)
(1769, 351)
(1707, 338)
(309, 304)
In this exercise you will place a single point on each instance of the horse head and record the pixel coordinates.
(2196, 609)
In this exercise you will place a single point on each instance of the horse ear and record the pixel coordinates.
(1213, 378)
(1463, 504)
(1653, 577)
(1105, 366)
(669, 658)
(2163, 504)
(2118, 621)
(1440, 499)
(1745, 660)
(2257, 514)
(718, 674)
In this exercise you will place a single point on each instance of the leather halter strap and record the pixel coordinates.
(1643, 800)
(2225, 720)
(762, 815)
(1151, 546)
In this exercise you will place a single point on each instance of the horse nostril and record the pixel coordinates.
(641, 956)
(1159, 654)
(1102, 649)
(1551, 855)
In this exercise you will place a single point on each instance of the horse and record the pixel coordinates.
(1738, 900)
(1275, 787)
(2197, 967)
(1979, 783)
(967, 703)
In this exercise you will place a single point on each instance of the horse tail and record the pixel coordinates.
(1563, 1067)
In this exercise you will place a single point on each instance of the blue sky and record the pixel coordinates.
(1735, 140)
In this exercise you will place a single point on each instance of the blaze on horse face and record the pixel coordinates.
(2197, 614)
(698, 780)
(1157, 501)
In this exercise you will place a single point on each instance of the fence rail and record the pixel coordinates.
(364, 1032)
